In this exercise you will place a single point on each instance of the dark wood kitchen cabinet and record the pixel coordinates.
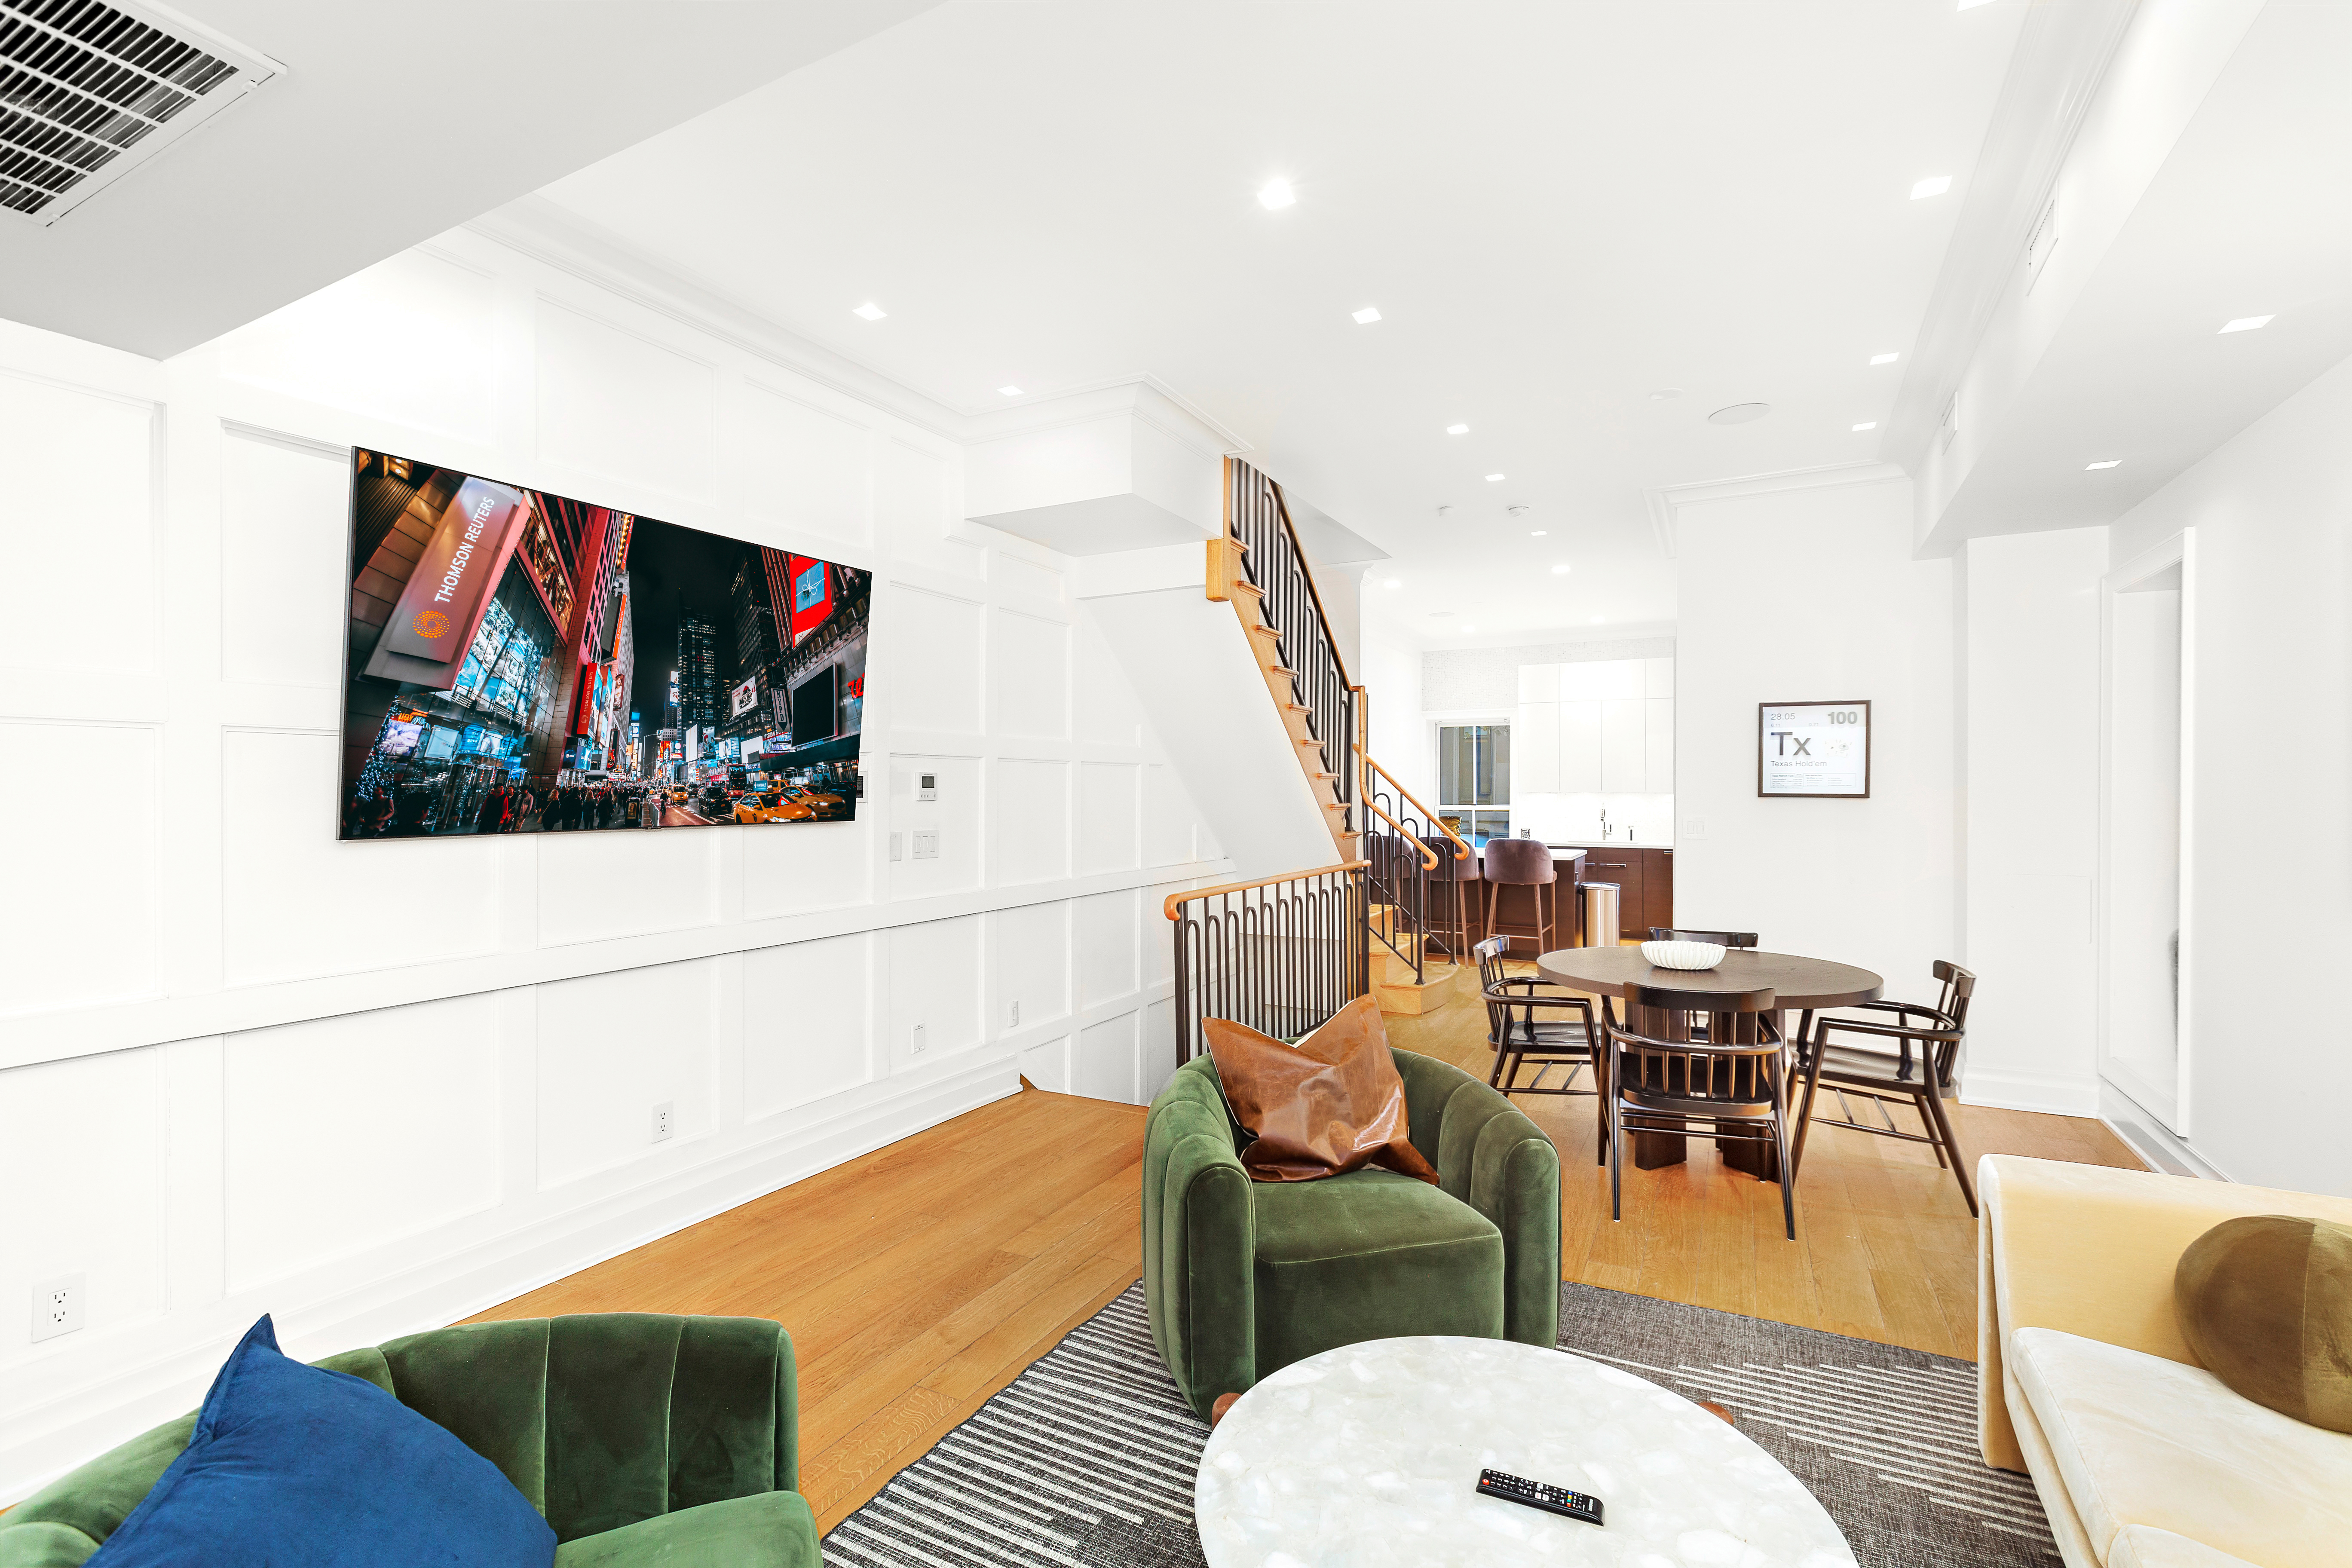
(1646, 885)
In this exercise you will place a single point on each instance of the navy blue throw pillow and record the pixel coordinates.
(294, 1464)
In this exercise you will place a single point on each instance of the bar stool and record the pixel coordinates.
(1523, 863)
(1455, 875)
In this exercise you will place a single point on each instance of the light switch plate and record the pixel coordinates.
(897, 846)
(1696, 827)
(927, 844)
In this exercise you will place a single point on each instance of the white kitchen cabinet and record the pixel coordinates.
(1538, 683)
(1625, 744)
(1659, 723)
(1579, 748)
(1603, 679)
(1535, 750)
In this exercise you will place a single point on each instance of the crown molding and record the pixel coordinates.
(2060, 60)
(1666, 502)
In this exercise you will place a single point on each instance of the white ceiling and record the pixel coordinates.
(2250, 214)
(389, 124)
(1556, 207)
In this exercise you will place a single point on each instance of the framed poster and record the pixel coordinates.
(1813, 749)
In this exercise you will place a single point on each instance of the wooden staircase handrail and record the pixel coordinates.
(1428, 855)
(1282, 509)
(1462, 845)
(1178, 901)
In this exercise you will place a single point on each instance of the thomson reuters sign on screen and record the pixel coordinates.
(442, 604)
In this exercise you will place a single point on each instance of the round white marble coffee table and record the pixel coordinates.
(1368, 1456)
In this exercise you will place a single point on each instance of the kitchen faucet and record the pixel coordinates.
(1604, 822)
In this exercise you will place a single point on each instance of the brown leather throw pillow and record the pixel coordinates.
(1329, 1104)
(2265, 1303)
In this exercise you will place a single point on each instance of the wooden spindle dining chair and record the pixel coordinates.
(1867, 1069)
(1522, 1036)
(1735, 1080)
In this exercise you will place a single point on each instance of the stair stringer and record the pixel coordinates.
(1205, 696)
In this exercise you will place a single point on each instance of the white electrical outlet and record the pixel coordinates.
(897, 846)
(1014, 1022)
(927, 844)
(665, 1120)
(920, 1040)
(1695, 827)
(56, 1307)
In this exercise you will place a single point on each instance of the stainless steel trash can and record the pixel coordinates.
(1601, 914)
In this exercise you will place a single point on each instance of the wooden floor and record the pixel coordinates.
(920, 1278)
(1885, 1248)
(915, 1281)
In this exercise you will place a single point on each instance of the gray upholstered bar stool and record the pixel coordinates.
(1523, 863)
(1455, 876)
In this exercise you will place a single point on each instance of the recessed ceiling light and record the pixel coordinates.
(1598, 619)
(2248, 324)
(1865, 424)
(1932, 185)
(1457, 429)
(1884, 359)
(1439, 615)
(1973, 5)
(1562, 570)
(1493, 478)
(1366, 316)
(1739, 413)
(1663, 393)
(1275, 195)
(1469, 628)
(1393, 583)
(1009, 391)
(1538, 534)
(870, 311)
(2110, 463)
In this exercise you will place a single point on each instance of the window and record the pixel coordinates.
(1473, 773)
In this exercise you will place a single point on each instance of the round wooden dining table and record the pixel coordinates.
(1804, 986)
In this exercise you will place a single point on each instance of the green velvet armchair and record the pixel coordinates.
(1244, 1278)
(643, 1439)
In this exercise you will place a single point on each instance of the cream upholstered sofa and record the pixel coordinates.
(2143, 1458)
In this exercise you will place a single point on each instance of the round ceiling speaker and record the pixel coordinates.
(1739, 413)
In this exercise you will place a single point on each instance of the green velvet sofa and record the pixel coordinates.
(643, 1439)
(1244, 1278)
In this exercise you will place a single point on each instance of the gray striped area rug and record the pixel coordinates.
(1086, 1459)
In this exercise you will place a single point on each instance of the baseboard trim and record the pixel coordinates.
(1997, 1090)
(2159, 1147)
(49, 1439)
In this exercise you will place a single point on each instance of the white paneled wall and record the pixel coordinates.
(371, 1088)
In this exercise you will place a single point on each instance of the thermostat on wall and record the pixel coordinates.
(926, 786)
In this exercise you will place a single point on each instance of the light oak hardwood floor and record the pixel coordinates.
(918, 1279)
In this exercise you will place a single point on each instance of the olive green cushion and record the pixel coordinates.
(2265, 1303)
(1371, 1255)
(773, 1530)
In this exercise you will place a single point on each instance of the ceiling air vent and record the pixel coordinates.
(90, 91)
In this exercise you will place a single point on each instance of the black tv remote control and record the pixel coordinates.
(1536, 1494)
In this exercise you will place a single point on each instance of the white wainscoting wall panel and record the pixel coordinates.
(373, 1088)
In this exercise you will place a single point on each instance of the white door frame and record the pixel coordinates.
(2179, 552)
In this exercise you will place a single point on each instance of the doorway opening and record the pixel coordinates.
(2144, 862)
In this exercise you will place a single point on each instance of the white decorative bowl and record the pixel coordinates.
(1683, 955)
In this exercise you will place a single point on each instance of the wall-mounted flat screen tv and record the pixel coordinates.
(521, 662)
